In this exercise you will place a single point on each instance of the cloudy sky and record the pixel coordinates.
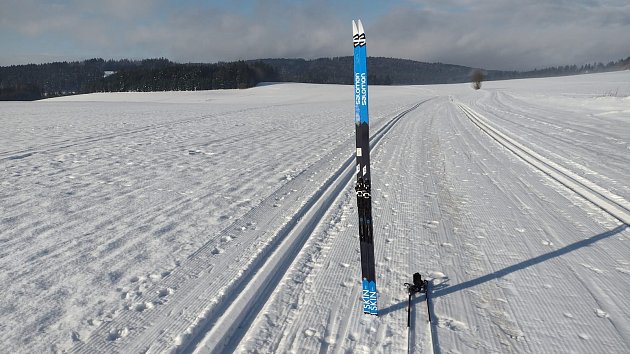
(492, 34)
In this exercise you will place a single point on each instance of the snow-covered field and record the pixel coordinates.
(226, 220)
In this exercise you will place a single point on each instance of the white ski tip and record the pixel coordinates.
(360, 28)
(355, 30)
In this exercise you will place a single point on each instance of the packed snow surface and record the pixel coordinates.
(226, 220)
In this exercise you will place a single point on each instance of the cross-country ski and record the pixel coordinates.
(363, 186)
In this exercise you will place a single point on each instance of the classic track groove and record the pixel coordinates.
(224, 334)
(605, 200)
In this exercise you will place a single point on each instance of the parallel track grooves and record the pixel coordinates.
(612, 204)
(237, 314)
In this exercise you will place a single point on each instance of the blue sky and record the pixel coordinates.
(493, 34)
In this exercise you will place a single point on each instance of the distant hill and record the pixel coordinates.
(381, 71)
(391, 71)
(31, 82)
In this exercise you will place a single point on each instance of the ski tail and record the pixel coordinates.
(363, 185)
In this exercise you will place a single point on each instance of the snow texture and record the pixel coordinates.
(226, 220)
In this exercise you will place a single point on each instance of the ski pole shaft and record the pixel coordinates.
(409, 311)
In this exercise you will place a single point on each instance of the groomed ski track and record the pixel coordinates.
(613, 204)
(240, 311)
(457, 206)
(219, 323)
(463, 191)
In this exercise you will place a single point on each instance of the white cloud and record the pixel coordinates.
(505, 34)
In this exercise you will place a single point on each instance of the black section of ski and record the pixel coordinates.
(366, 235)
(363, 155)
(363, 190)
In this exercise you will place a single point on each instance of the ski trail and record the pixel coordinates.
(223, 335)
(576, 139)
(610, 203)
(340, 252)
(165, 314)
(532, 220)
(333, 337)
(446, 228)
(137, 240)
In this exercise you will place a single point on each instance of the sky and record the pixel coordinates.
(490, 34)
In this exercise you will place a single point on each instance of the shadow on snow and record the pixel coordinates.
(528, 263)
(443, 289)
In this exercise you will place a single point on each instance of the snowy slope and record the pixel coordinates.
(225, 220)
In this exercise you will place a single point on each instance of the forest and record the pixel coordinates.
(37, 81)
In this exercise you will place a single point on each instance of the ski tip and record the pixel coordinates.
(358, 35)
(360, 27)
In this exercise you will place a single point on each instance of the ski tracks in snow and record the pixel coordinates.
(613, 204)
(96, 235)
(227, 332)
(207, 302)
(409, 223)
(511, 201)
(518, 261)
(297, 290)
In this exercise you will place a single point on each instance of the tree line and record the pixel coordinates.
(36, 81)
(185, 77)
